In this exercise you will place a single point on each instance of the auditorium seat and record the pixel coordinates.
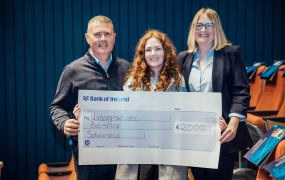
(279, 119)
(270, 101)
(256, 87)
(273, 93)
(57, 167)
(58, 176)
(190, 175)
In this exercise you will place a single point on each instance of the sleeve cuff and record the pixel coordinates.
(242, 117)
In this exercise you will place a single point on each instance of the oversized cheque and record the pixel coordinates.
(176, 128)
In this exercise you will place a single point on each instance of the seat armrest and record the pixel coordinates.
(263, 113)
(53, 167)
(59, 173)
(250, 108)
(277, 119)
(271, 121)
(254, 132)
(57, 164)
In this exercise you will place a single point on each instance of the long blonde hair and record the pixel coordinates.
(140, 71)
(220, 40)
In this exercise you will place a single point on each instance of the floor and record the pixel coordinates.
(245, 175)
(247, 172)
(244, 170)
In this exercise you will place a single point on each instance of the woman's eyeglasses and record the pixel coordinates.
(208, 26)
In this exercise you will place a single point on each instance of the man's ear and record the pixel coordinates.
(87, 37)
(114, 38)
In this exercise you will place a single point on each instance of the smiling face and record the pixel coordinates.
(205, 37)
(154, 54)
(101, 38)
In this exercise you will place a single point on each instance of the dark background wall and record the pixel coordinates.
(39, 37)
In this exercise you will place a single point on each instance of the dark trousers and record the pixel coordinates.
(224, 171)
(147, 172)
(92, 172)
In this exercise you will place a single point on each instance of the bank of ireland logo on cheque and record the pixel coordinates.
(85, 98)
(87, 142)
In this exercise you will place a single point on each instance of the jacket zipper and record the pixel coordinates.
(109, 83)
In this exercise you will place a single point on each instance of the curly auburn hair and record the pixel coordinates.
(140, 71)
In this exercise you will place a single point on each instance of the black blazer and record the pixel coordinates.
(230, 78)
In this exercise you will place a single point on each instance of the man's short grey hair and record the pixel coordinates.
(101, 19)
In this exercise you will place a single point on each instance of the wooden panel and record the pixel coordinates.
(141, 10)
(86, 16)
(3, 95)
(114, 15)
(67, 35)
(30, 83)
(249, 54)
(268, 32)
(160, 15)
(40, 83)
(77, 29)
(283, 29)
(186, 21)
(214, 4)
(178, 40)
(224, 15)
(277, 30)
(124, 29)
(241, 29)
(195, 7)
(151, 14)
(95, 8)
(259, 25)
(51, 81)
(133, 31)
(169, 19)
(204, 3)
(105, 8)
(20, 91)
(232, 21)
(58, 65)
(9, 56)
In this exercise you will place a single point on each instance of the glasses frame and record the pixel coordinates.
(203, 25)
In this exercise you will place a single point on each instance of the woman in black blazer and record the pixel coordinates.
(212, 64)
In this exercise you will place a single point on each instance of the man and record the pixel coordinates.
(98, 69)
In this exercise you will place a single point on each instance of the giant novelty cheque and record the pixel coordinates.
(174, 128)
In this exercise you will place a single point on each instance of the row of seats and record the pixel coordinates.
(57, 171)
(66, 171)
(267, 97)
(267, 108)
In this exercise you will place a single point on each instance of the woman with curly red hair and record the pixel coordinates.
(155, 68)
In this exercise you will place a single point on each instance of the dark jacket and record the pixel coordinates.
(84, 73)
(229, 77)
